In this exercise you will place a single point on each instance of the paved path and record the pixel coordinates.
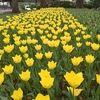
(6, 10)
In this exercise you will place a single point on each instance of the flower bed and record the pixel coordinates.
(48, 55)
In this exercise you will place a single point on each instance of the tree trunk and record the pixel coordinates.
(15, 8)
(10, 3)
(79, 3)
(42, 3)
(35, 1)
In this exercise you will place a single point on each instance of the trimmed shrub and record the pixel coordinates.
(88, 5)
(65, 4)
(96, 3)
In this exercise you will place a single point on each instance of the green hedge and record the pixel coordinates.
(88, 5)
(65, 4)
(96, 3)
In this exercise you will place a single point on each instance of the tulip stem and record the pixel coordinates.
(89, 80)
(97, 92)
(28, 85)
(73, 94)
(68, 62)
(11, 81)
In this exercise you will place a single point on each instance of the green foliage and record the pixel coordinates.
(65, 4)
(89, 18)
(96, 3)
(38, 6)
(32, 6)
(88, 4)
(22, 6)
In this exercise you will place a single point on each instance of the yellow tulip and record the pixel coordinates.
(49, 35)
(63, 42)
(29, 62)
(42, 97)
(23, 42)
(14, 35)
(51, 43)
(95, 46)
(6, 40)
(23, 49)
(17, 94)
(0, 56)
(56, 43)
(86, 36)
(29, 41)
(98, 36)
(9, 48)
(52, 64)
(1, 51)
(45, 41)
(68, 48)
(67, 38)
(74, 79)
(54, 37)
(39, 55)
(17, 42)
(79, 44)
(34, 41)
(44, 73)
(25, 76)
(98, 78)
(47, 82)
(17, 38)
(84, 28)
(65, 27)
(1, 78)
(73, 26)
(78, 38)
(48, 54)
(38, 47)
(66, 34)
(25, 55)
(88, 43)
(76, 60)
(75, 92)
(89, 58)
(8, 69)
(17, 58)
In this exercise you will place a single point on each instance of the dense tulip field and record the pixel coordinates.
(48, 55)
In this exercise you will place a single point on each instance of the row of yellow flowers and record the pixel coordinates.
(48, 55)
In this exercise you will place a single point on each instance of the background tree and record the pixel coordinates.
(35, 1)
(42, 3)
(14, 5)
(79, 3)
(15, 8)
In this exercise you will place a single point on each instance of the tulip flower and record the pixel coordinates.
(1, 78)
(74, 79)
(75, 92)
(52, 64)
(42, 97)
(47, 82)
(17, 94)
(89, 58)
(8, 69)
(25, 76)
(17, 58)
(39, 55)
(29, 62)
